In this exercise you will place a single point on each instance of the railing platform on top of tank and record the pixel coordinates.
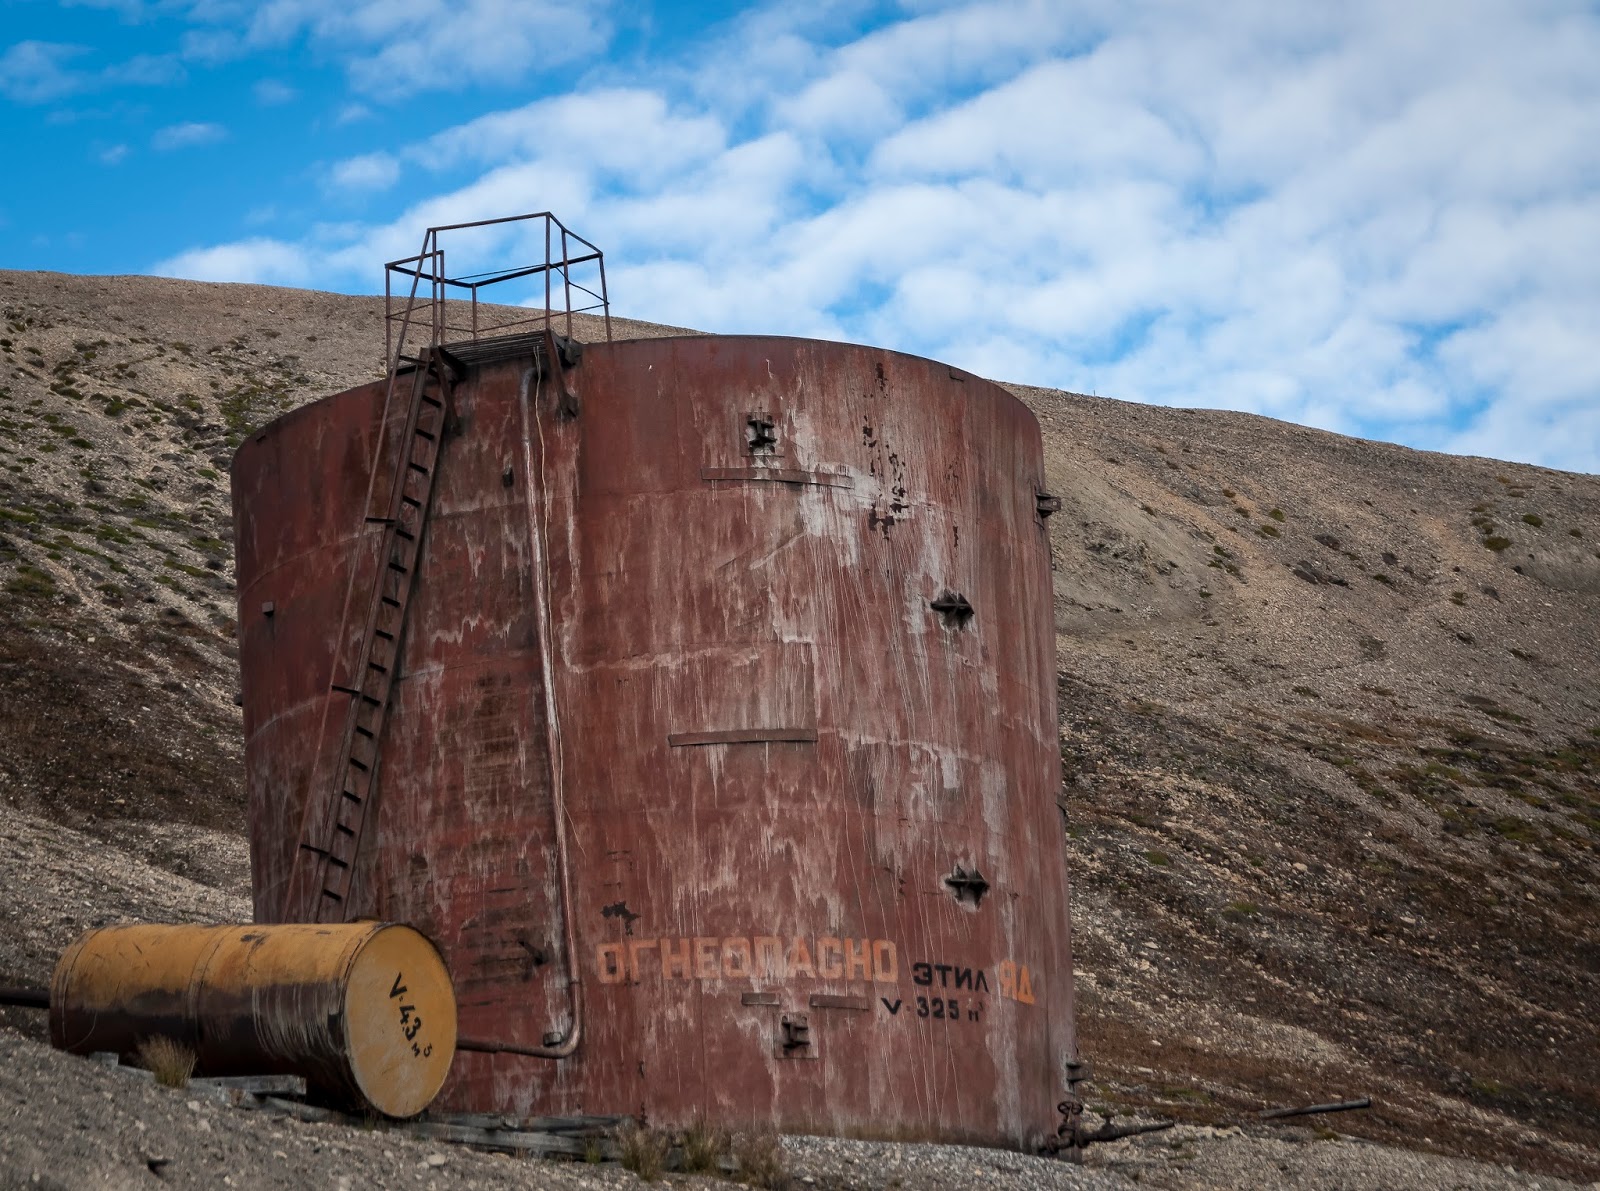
(419, 314)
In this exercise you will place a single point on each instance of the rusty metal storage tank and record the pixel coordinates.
(720, 759)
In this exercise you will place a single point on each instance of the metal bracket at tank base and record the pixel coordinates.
(1072, 1138)
(1045, 504)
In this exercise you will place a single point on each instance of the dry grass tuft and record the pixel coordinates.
(643, 1150)
(705, 1148)
(758, 1160)
(171, 1062)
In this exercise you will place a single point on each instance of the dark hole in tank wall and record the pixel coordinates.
(953, 609)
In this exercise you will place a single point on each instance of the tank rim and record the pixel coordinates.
(956, 373)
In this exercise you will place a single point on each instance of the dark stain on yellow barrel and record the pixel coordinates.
(365, 1011)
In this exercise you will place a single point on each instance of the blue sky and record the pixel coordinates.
(1377, 218)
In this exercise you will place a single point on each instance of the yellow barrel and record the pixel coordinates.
(364, 1011)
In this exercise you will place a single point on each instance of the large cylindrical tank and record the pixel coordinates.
(364, 1011)
(769, 621)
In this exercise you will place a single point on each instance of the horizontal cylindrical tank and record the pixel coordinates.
(758, 633)
(365, 1012)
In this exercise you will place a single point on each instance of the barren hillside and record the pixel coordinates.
(1330, 716)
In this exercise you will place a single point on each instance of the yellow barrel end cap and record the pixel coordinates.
(400, 1021)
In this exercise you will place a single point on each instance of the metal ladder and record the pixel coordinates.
(324, 863)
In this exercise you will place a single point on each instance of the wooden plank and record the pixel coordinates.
(569, 1125)
(519, 1140)
(255, 1085)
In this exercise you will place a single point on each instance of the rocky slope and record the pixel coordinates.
(1330, 716)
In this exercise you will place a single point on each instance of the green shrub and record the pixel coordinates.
(31, 581)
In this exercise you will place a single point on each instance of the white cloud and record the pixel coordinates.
(211, 47)
(393, 50)
(370, 171)
(131, 10)
(145, 70)
(1373, 218)
(625, 131)
(273, 92)
(187, 136)
(261, 261)
(112, 155)
(36, 71)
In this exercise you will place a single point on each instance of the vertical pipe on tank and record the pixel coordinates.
(566, 279)
(537, 506)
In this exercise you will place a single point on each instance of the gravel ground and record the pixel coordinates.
(67, 1123)
(1257, 1156)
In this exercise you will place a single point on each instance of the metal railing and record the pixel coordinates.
(426, 307)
